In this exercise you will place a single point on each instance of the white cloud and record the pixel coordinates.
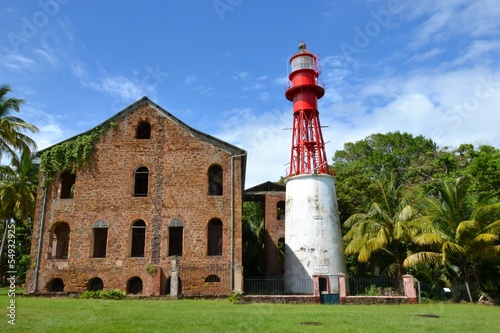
(190, 79)
(17, 61)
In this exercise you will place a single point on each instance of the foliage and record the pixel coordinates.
(151, 269)
(12, 139)
(235, 297)
(254, 260)
(372, 291)
(73, 153)
(103, 294)
(386, 226)
(461, 229)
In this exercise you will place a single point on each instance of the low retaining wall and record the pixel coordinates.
(368, 300)
(289, 299)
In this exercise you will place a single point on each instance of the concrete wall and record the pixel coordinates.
(178, 162)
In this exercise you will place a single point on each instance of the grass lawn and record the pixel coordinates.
(75, 315)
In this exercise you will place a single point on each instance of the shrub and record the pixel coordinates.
(101, 294)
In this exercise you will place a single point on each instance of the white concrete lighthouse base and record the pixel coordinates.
(313, 239)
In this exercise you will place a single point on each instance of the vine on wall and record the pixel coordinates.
(71, 154)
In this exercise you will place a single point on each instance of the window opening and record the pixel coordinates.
(215, 180)
(215, 237)
(134, 285)
(95, 284)
(100, 230)
(60, 241)
(143, 130)
(141, 178)
(212, 278)
(56, 285)
(68, 180)
(280, 210)
(138, 238)
(175, 241)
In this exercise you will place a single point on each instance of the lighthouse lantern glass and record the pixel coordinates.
(302, 62)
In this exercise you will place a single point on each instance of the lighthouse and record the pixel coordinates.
(312, 227)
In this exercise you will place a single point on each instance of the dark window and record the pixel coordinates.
(175, 241)
(59, 241)
(215, 180)
(95, 284)
(215, 237)
(138, 238)
(134, 285)
(100, 229)
(212, 278)
(143, 131)
(280, 210)
(281, 249)
(56, 285)
(67, 185)
(141, 177)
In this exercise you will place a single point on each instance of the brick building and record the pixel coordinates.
(271, 197)
(156, 210)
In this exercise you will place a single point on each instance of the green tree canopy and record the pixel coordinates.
(12, 137)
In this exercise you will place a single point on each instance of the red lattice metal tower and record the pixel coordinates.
(308, 148)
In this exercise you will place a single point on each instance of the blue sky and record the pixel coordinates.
(423, 67)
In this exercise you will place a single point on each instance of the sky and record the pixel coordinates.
(426, 67)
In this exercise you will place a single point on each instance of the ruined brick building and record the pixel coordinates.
(155, 210)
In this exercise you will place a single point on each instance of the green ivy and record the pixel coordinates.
(72, 154)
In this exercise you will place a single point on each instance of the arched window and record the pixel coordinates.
(68, 180)
(59, 241)
(56, 285)
(141, 178)
(212, 278)
(134, 285)
(280, 210)
(214, 237)
(95, 284)
(100, 230)
(138, 239)
(143, 130)
(175, 235)
(215, 180)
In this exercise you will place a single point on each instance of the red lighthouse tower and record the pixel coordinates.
(308, 148)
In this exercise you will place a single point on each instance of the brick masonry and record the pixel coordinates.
(178, 158)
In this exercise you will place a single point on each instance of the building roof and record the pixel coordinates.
(229, 148)
(265, 187)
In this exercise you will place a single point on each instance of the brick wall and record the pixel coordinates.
(178, 161)
(275, 229)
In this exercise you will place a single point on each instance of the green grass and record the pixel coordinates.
(75, 315)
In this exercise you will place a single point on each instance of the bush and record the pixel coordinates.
(101, 294)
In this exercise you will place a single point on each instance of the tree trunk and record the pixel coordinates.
(4, 237)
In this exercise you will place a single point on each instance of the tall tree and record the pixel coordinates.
(407, 158)
(385, 227)
(12, 137)
(461, 230)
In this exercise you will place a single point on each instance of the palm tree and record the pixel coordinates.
(460, 229)
(386, 226)
(12, 138)
(18, 187)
